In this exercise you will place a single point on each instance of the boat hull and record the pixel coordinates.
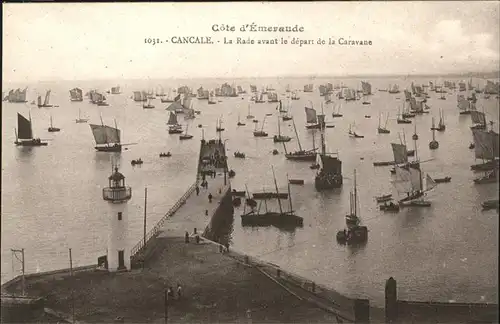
(30, 143)
(114, 148)
(355, 235)
(327, 181)
(301, 157)
(272, 219)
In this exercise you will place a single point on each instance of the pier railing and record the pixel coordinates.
(141, 245)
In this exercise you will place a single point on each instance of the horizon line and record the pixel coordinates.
(317, 76)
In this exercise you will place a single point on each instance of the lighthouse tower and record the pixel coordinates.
(118, 255)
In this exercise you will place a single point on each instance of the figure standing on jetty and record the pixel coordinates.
(210, 197)
(197, 190)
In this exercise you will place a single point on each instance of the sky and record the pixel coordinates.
(80, 41)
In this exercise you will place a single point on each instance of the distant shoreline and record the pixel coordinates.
(481, 75)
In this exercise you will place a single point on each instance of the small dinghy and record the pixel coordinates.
(383, 198)
(296, 181)
(136, 162)
(165, 154)
(441, 180)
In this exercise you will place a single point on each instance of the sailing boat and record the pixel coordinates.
(45, 103)
(148, 104)
(295, 96)
(80, 120)
(76, 94)
(300, 155)
(337, 114)
(383, 130)
(239, 122)
(168, 98)
(355, 233)
(250, 116)
(329, 175)
(282, 219)
(365, 100)
(442, 97)
(433, 145)
(219, 127)
(260, 133)
(314, 121)
(186, 136)
(486, 147)
(174, 127)
(441, 126)
(406, 111)
(107, 138)
(415, 135)
(211, 98)
(24, 133)
(401, 119)
(353, 133)
(53, 129)
(280, 138)
(190, 113)
(260, 98)
(478, 120)
(287, 115)
(465, 106)
(115, 90)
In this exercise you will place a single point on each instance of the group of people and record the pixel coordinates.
(171, 294)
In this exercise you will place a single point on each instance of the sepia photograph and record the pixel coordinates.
(250, 162)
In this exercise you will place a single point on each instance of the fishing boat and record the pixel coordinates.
(401, 119)
(313, 120)
(115, 90)
(168, 154)
(51, 128)
(174, 126)
(336, 113)
(490, 204)
(433, 145)
(280, 138)
(148, 104)
(442, 180)
(136, 162)
(486, 147)
(80, 120)
(140, 96)
(394, 89)
(308, 87)
(441, 126)
(218, 127)
(239, 122)
(380, 129)
(250, 116)
(203, 94)
(465, 107)
(211, 98)
(478, 120)
(415, 135)
(168, 98)
(365, 100)
(181, 105)
(190, 113)
(383, 198)
(352, 133)
(45, 103)
(300, 155)
(107, 138)
(272, 97)
(259, 98)
(17, 96)
(240, 90)
(295, 96)
(24, 133)
(355, 233)
(260, 133)
(389, 206)
(406, 113)
(329, 174)
(283, 219)
(186, 136)
(296, 181)
(76, 94)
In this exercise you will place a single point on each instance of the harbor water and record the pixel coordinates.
(52, 195)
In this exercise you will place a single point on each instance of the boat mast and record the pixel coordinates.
(355, 195)
(277, 192)
(263, 122)
(296, 135)
(279, 128)
(289, 195)
(117, 134)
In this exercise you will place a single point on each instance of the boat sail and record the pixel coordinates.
(240, 90)
(253, 88)
(161, 92)
(181, 104)
(203, 94)
(308, 87)
(260, 133)
(367, 88)
(260, 98)
(409, 181)
(186, 136)
(51, 128)
(380, 129)
(352, 133)
(168, 98)
(286, 111)
(115, 90)
(295, 95)
(280, 138)
(314, 121)
(17, 96)
(140, 96)
(107, 138)
(45, 103)
(211, 98)
(486, 147)
(148, 104)
(80, 120)
(272, 97)
(478, 120)
(329, 175)
(24, 133)
(394, 89)
(76, 94)
(190, 113)
(300, 155)
(465, 106)
(174, 127)
(249, 116)
(336, 113)
(401, 118)
(97, 98)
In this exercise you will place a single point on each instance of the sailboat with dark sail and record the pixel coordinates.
(24, 133)
(380, 129)
(186, 136)
(433, 145)
(282, 219)
(486, 147)
(280, 138)
(300, 155)
(260, 133)
(76, 94)
(313, 120)
(51, 128)
(107, 138)
(329, 175)
(168, 98)
(173, 126)
(478, 120)
(45, 103)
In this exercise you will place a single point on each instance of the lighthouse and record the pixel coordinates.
(117, 194)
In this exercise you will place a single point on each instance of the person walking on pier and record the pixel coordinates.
(210, 197)
(179, 291)
(197, 190)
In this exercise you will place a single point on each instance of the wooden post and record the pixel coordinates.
(24, 281)
(166, 306)
(391, 301)
(70, 263)
(145, 207)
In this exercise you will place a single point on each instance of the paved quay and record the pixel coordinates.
(215, 286)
